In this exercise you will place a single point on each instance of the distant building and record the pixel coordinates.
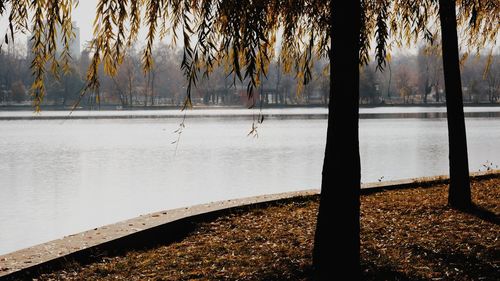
(74, 44)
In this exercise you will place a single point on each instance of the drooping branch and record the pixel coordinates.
(241, 35)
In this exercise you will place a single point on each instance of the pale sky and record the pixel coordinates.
(84, 16)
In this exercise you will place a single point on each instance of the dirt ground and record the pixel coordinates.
(408, 234)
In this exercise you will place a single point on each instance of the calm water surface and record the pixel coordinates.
(61, 177)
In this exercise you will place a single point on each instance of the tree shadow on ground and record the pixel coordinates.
(484, 214)
(372, 272)
(455, 265)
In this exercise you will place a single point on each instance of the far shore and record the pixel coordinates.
(117, 107)
(268, 112)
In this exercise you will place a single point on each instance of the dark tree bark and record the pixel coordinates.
(336, 254)
(459, 192)
(130, 103)
(428, 87)
(436, 89)
(153, 75)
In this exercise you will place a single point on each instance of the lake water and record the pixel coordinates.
(60, 177)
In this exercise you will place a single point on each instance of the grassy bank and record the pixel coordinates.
(406, 234)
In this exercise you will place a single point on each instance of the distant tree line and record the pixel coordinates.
(408, 79)
(418, 79)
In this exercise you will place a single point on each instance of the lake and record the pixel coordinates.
(61, 176)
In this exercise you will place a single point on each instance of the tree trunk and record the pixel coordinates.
(153, 88)
(66, 94)
(285, 95)
(459, 192)
(130, 90)
(389, 84)
(428, 88)
(436, 85)
(279, 97)
(336, 252)
(146, 90)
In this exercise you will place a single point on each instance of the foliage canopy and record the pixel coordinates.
(243, 35)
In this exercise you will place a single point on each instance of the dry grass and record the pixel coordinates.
(406, 235)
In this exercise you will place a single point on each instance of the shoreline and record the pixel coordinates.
(170, 225)
(117, 107)
(275, 113)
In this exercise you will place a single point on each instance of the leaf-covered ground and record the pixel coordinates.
(406, 235)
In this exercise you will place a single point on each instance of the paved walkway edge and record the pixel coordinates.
(161, 227)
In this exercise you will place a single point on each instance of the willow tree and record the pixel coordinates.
(482, 18)
(477, 21)
(242, 36)
(459, 190)
(338, 227)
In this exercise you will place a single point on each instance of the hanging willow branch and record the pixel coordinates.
(241, 35)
